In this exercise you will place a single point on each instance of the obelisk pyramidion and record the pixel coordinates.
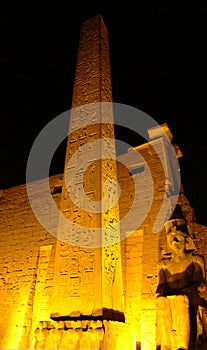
(88, 276)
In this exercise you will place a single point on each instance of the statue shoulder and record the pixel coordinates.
(198, 259)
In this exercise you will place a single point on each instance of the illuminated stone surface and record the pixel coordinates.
(22, 238)
(182, 291)
(28, 253)
(84, 272)
(87, 279)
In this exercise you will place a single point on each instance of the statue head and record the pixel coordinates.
(176, 222)
(178, 238)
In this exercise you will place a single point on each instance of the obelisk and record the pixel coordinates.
(88, 275)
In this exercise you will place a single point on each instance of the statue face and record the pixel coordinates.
(176, 240)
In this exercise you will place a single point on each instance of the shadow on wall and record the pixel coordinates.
(138, 346)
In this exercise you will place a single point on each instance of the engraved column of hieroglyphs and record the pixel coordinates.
(76, 266)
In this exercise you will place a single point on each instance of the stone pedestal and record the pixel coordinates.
(84, 335)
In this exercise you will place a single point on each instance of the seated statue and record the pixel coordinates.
(181, 290)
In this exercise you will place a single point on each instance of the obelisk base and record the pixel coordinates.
(97, 314)
(83, 335)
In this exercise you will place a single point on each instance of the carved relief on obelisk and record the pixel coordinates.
(88, 274)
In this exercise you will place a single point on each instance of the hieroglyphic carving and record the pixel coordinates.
(81, 271)
(76, 267)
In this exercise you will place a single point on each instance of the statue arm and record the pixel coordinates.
(202, 287)
(199, 268)
(198, 289)
(162, 283)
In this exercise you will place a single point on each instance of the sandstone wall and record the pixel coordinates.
(27, 253)
(26, 249)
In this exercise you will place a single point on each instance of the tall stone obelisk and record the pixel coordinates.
(88, 275)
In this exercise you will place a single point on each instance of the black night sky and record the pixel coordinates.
(158, 65)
